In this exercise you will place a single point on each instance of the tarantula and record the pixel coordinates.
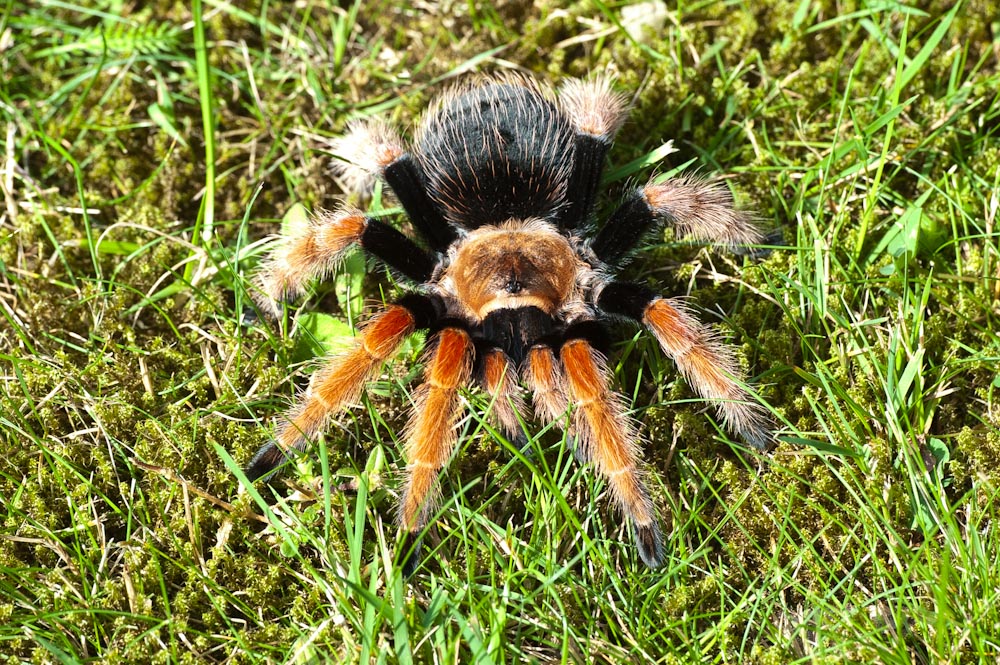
(513, 284)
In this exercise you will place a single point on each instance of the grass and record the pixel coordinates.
(145, 154)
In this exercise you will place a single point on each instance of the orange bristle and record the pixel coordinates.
(709, 368)
(547, 384)
(340, 383)
(607, 437)
(431, 432)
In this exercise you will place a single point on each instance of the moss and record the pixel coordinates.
(976, 457)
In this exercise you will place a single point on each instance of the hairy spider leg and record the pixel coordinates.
(508, 334)
(695, 208)
(431, 434)
(340, 382)
(406, 179)
(315, 248)
(596, 113)
(544, 377)
(372, 148)
(607, 437)
(707, 364)
(495, 373)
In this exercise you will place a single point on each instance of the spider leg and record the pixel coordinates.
(431, 434)
(596, 113)
(544, 376)
(696, 208)
(372, 148)
(608, 437)
(315, 248)
(708, 365)
(495, 373)
(341, 381)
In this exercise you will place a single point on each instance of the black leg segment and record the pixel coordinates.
(589, 153)
(593, 332)
(266, 462)
(397, 251)
(410, 552)
(426, 310)
(623, 231)
(404, 177)
(516, 330)
(626, 299)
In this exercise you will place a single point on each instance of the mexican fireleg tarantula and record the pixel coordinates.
(515, 284)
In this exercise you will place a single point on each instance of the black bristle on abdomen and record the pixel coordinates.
(495, 153)
(517, 330)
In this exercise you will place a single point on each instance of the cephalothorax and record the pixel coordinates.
(513, 284)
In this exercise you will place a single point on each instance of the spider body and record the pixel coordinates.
(511, 285)
(514, 167)
(518, 264)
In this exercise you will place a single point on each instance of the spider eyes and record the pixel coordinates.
(513, 286)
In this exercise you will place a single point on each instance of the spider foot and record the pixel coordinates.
(410, 548)
(520, 440)
(649, 541)
(266, 463)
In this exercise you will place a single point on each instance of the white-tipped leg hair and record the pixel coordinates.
(710, 368)
(593, 106)
(364, 151)
(702, 210)
(309, 252)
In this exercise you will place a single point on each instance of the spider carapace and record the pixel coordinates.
(514, 282)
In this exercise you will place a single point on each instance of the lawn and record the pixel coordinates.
(149, 150)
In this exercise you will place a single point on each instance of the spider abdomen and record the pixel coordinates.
(496, 152)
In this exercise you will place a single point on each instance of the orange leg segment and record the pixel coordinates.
(607, 437)
(709, 367)
(338, 384)
(545, 379)
(310, 251)
(498, 378)
(431, 434)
